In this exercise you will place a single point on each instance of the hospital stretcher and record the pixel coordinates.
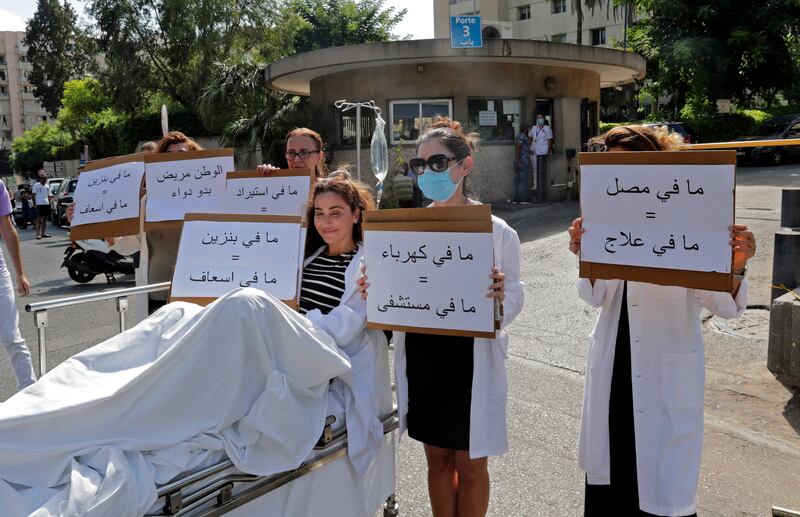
(324, 484)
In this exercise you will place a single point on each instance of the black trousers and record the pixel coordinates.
(621, 497)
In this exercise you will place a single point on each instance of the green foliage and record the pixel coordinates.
(168, 46)
(43, 142)
(57, 49)
(703, 50)
(82, 100)
(606, 126)
(333, 23)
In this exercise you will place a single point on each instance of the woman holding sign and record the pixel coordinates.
(451, 390)
(304, 150)
(642, 422)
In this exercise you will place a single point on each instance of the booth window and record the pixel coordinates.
(524, 12)
(410, 117)
(599, 36)
(559, 6)
(494, 119)
(347, 126)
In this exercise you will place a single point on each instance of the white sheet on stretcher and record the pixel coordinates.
(246, 377)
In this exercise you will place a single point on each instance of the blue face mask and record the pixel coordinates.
(437, 185)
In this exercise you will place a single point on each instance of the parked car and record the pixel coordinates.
(682, 128)
(55, 186)
(778, 128)
(64, 199)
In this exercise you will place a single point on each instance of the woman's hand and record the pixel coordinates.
(362, 284)
(743, 243)
(575, 232)
(266, 169)
(23, 285)
(498, 287)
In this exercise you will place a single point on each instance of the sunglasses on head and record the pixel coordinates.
(437, 163)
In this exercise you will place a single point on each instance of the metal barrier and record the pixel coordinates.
(39, 310)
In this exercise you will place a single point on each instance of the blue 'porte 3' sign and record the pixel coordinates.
(465, 32)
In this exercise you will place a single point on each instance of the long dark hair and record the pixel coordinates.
(355, 194)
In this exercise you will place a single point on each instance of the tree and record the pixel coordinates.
(58, 51)
(236, 98)
(703, 50)
(333, 23)
(83, 99)
(169, 46)
(43, 142)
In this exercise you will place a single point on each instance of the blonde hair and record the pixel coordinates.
(637, 138)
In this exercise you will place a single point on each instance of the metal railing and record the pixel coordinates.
(39, 310)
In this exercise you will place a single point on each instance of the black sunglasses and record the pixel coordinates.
(437, 163)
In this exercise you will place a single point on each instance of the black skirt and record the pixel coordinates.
(621, 497)
(439, 372)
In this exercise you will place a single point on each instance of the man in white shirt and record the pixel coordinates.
(42, 195)
(541, 138)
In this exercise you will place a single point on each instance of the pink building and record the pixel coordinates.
(19, 109)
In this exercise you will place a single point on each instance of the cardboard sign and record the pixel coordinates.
(221, 252)
(107, 198)
(181, 183)
(283, 192)
(658, 217)
(429, 270)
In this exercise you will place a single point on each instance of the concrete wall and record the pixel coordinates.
(458, 82)
(783, 355)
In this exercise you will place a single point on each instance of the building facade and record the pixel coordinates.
(19, 109)
(603, 24)
(493, 91)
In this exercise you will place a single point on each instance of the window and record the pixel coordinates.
(26, 89)
(559, 6)
(347, 126)
(44, 118)
(3, 121)
(494, 119)
(3, 90)
(524, 12)
(599, 36)
(2, 75)
(410, 117)
(2, 59)
(23, 59)
(558, 38)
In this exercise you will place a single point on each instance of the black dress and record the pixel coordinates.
(439, 373)
(621, 497)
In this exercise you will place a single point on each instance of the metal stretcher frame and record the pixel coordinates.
(333, 443)
(178, 501)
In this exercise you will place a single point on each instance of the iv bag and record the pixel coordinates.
(379, 152)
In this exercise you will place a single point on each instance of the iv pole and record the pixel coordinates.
(345, 106)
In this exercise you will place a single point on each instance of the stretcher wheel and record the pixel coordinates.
(391, 508)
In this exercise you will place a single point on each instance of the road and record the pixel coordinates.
(751, 457)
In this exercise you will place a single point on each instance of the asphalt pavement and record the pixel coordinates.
(751, 457)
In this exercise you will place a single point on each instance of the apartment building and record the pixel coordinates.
(19, 109)
(603, 24)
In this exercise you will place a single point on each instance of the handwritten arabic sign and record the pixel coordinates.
(284, 192)
(432, 280)
(107, 198)
(219, 253)
(180, 183)
(669, 215)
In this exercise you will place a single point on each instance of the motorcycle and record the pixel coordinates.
(86, 259)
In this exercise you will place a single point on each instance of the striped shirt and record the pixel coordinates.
(323, 282)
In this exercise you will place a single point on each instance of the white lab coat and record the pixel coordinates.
(367, 349)
(668, 376)
(488, 435)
